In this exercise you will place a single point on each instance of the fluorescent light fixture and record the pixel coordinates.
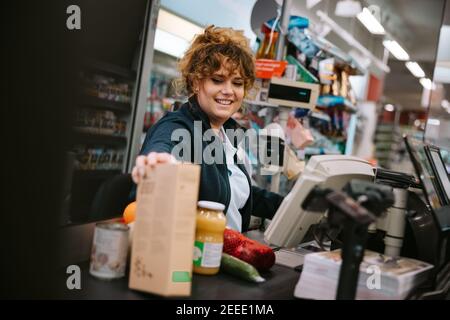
(370, 22)
(311, 3)
(415, 69)
(177, 26)
(434, 122)
(347, 8)
(389, 108)
(396, 50)
(170, 44)
(427, 84)
(173, 33)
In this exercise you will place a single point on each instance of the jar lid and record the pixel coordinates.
(216, 206)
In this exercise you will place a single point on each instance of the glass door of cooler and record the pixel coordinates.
(114, 44)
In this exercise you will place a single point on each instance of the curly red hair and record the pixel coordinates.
(211, 50)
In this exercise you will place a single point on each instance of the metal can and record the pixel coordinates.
(109, 250)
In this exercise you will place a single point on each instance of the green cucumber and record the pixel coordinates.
(239, 268)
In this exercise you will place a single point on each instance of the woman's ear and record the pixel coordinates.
(195, 86)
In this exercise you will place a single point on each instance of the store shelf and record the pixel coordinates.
(322, 102)
(110, 69)
(99, 139)
(95, 174)
(90, 101)
(320, 116)
(261, 103)
(313, 151)
(341, 58)
(385, 128)
(328, 101)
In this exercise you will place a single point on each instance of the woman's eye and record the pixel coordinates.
(238, 84)
(216, 80)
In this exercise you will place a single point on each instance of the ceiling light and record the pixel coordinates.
(445, 104)
(370, 22)
(415, 69)
(389, 108)
(177, 26)
(311, 3)
(417, 122)
(396, 50)
(347, 8)
(427, 84)
(173, 33)
(434, 122)
(170, 44)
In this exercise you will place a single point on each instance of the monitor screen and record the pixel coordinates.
(290, 93)
(441, 173)
(424, 171)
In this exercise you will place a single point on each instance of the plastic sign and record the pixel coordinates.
(267, 68)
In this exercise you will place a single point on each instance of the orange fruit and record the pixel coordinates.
(129, 214)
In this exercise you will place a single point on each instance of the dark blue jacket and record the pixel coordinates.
(214, 182)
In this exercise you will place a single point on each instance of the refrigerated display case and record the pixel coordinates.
(116, 47)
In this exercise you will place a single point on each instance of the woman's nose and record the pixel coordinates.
(227, 88)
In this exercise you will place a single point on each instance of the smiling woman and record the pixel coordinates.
(216, 72)
(218, 69)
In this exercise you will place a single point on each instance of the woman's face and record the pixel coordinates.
(220, 95)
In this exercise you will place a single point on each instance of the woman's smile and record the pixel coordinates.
(224, 102)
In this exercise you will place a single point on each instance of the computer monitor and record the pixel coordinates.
(291, 222)
(438, 166)
(430, 185)
(424, 172)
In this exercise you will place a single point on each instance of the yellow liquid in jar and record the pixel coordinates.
(208, 241)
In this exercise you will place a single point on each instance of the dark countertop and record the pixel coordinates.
(279, 285)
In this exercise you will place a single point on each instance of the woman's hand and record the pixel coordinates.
(152, 159)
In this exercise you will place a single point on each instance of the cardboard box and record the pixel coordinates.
(164, 233)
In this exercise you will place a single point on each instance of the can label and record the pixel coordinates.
(109, 250)
(207, 254)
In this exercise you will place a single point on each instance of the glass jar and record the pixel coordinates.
(210, 226)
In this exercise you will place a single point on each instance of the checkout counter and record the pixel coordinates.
(279, 285)
(283, 231)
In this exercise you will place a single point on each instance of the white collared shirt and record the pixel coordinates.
(239, 185)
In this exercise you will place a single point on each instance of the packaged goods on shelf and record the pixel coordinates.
(97, 158)
(99, 122)
(107, 88)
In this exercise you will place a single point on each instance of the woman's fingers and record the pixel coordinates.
(165, 158)
(141, 162)
(152, 159)
(135, 176)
